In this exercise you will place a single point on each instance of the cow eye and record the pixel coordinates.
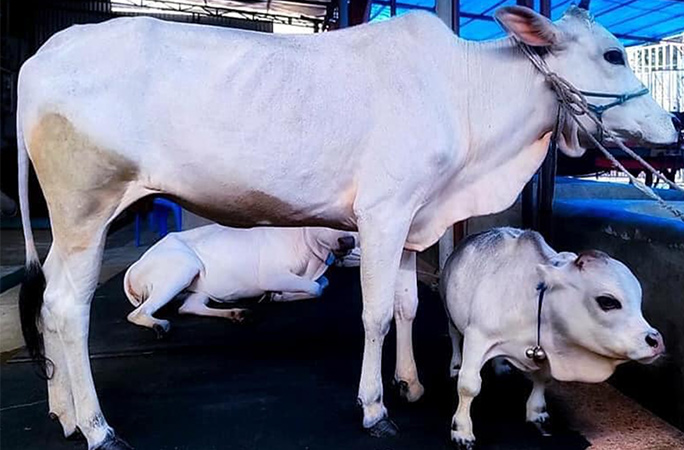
(614, 57)
(607, 303)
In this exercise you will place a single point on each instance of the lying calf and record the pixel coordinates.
(590, 319)
(226, 264)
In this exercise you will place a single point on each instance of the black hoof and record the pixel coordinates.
(76, 435)
(401, 387)
(383, 429)
(161, 332)
(543, 426)
(463, 444)
(113, 442)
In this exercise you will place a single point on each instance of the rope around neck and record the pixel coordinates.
(575, 104)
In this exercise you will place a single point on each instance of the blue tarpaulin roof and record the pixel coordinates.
(633, 21)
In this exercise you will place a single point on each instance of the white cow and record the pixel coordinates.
(227, 264)
(397, 129)
(590, 322)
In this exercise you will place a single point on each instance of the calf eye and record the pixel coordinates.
(607, 303)
(614, 57)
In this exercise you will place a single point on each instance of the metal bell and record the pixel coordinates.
(530, 353)
(539, 354)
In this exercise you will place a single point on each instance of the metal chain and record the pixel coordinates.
(575, 103)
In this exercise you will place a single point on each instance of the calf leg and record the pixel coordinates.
(196, 303)
(382, 249)
(292, 284)
(164, 283)
(405, 307)
(536, 404)
(456, 341)
(469, 383)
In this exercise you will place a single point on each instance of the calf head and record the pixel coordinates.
(592, 317)
(587, 55)
(327, 240)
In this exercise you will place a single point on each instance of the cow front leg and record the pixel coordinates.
(71, 281)
(537, 414)
(405, 307)
(469, 384)
(382, 242)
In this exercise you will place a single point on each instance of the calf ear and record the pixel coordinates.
(555, 271)
(528, 26)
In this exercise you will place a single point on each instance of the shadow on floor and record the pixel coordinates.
(286, 381)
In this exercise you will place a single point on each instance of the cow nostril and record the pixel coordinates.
(651, 340)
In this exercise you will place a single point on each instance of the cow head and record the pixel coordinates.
(592, 320)
(583, 52)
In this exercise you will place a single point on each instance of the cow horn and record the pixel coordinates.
(584, 4)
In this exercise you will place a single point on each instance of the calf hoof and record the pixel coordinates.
(460, 443)
(383, 429)
(161, 331)
(543, 425)
(411, 392)
(112, 442)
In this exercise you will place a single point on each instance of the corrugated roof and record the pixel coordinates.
(633, 21)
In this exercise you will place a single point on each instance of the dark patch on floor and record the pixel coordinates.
(286, 381)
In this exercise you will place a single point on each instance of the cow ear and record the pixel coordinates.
(528, 26)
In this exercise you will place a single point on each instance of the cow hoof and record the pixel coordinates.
(543, 425)
(411, 392)
(113, 442)
(161, 331)
(383, 429)
(70, 430)
(462, 443)
(75, 435)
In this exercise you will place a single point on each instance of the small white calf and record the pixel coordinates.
(590, 321)
(227, 264)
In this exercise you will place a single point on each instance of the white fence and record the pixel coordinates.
(661, 68)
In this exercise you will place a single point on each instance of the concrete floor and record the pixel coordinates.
(288, 381)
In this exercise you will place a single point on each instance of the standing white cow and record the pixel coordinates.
(590, 320)
(257, 129)
(227, 264)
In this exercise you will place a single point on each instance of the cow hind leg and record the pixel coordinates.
(405, 308)
(85, 187)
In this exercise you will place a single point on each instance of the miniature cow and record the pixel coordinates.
(396, 130)
(590, 319)
(227, 264)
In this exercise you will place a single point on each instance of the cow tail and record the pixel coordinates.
(33, 284)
